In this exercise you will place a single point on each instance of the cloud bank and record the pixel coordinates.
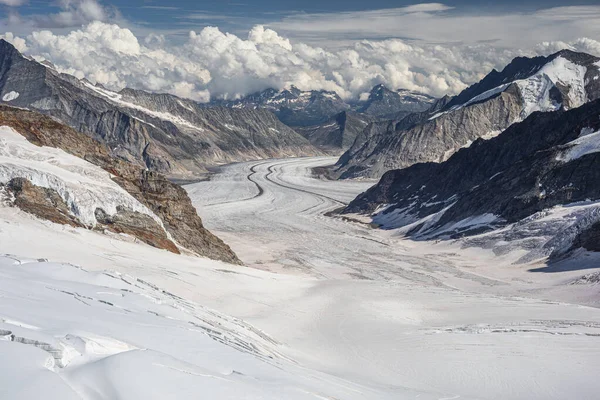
(211, 63)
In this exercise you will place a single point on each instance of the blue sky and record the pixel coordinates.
(179, 16)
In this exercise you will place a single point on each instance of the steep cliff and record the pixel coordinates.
(539, 178)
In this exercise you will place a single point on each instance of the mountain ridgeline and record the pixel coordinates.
(564, 80)
(324, 118)
(162, 132)
(170, 221)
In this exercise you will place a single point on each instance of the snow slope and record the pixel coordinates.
(587, 143)
(83, 186)
(103, 335)
(346, 312)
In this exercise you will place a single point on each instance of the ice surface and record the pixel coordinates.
(107, 336)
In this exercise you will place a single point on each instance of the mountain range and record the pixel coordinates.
(499, 157)
(162, 132)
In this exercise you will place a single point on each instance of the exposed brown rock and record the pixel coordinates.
(168, 201)
(136, 224)
(41, 202)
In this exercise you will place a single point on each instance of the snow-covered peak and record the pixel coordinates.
(565, 77)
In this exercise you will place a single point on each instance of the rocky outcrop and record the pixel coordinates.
(336, 134)
(564, 80)
(137, 225)
(161, 132)
(42, 202)
(589, 239)
(166, 200)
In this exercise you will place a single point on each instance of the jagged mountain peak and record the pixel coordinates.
(8, 51)
(379, 90)
(518, 69)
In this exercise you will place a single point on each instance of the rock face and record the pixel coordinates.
(135, 224)
(169, 202)
(162, 132)
(589, 239)
(42, 202)
(514, 179)
(564, 80)
(336, 134)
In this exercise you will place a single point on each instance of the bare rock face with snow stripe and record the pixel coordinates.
(514, 181)
(382, 147)
(563, 80)
(162, 132)
(121, 189)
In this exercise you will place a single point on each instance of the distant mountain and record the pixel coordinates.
(564, 80)
(386, 103)
(324, 118)
(162, 132)
(297, 108)
(536, 186)
(292, 106)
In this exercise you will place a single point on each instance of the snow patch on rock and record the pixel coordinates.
(83, 186)
(536, 89)
(10, 96)
(585, 144)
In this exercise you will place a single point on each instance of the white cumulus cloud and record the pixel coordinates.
(13, 3)
(219, 64)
